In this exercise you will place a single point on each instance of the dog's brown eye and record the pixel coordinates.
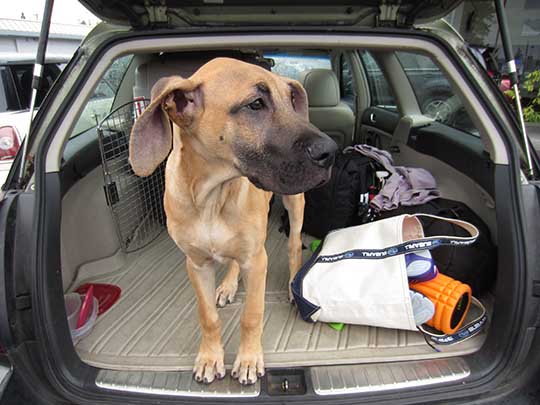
(256, 105)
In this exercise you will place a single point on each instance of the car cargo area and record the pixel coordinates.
(119, 237)
(154, 325)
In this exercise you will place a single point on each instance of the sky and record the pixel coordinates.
(64, 11)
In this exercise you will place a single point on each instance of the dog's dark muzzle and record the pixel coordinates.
(286, 167)
(322, 151)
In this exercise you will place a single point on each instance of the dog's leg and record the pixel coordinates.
(209, 362)
(295, 208)
(227, 289)
(249, 362)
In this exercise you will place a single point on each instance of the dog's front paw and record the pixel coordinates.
(225, 292)
(209, 365)
(248, 366)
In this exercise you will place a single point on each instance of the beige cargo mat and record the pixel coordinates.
(154, 325)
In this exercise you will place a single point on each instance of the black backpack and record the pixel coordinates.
(344, 200)
(475, 265)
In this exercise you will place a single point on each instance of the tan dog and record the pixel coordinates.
(233, 121)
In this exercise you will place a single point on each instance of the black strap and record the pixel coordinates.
(465, 332)
(409, 246)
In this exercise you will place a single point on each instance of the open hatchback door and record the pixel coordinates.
(246, 13)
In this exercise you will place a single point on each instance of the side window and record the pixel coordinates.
(381, 94)
(346, 82)
(50, 73)
(8, 92)
(101, 101)
(22, 75)
(3, 91)
(435, 96)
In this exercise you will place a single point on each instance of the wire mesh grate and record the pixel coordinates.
(136, 202)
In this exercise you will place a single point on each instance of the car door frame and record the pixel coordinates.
(46, 260)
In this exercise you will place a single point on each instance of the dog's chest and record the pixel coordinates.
(231, 224)
(214, 237)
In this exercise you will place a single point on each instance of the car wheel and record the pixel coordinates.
(439, 108)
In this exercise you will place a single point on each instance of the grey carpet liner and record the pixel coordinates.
(154, 324)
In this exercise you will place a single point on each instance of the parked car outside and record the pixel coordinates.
(15, 91)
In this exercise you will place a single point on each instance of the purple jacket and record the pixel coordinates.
(404, 186)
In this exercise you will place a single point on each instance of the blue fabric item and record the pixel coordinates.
(420, 266)
(305, 307)
(418, 263)
(423, 308)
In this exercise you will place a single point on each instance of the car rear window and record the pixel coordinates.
(292, 64)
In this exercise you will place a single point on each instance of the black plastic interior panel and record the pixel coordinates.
(464, 152)
(380, 118)
(81, 156)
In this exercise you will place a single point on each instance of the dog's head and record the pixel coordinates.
(241, 114)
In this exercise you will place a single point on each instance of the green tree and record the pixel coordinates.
(531, 111)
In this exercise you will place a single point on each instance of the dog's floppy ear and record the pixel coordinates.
(172, 98)
(299, 97)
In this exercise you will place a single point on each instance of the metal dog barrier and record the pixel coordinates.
(136, 203)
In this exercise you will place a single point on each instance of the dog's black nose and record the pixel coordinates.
(322, 152)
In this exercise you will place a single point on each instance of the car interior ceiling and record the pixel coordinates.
(412, 139)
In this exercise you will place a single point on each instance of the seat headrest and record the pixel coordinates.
(322, 87)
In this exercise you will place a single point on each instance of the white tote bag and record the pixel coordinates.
(358, 275)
